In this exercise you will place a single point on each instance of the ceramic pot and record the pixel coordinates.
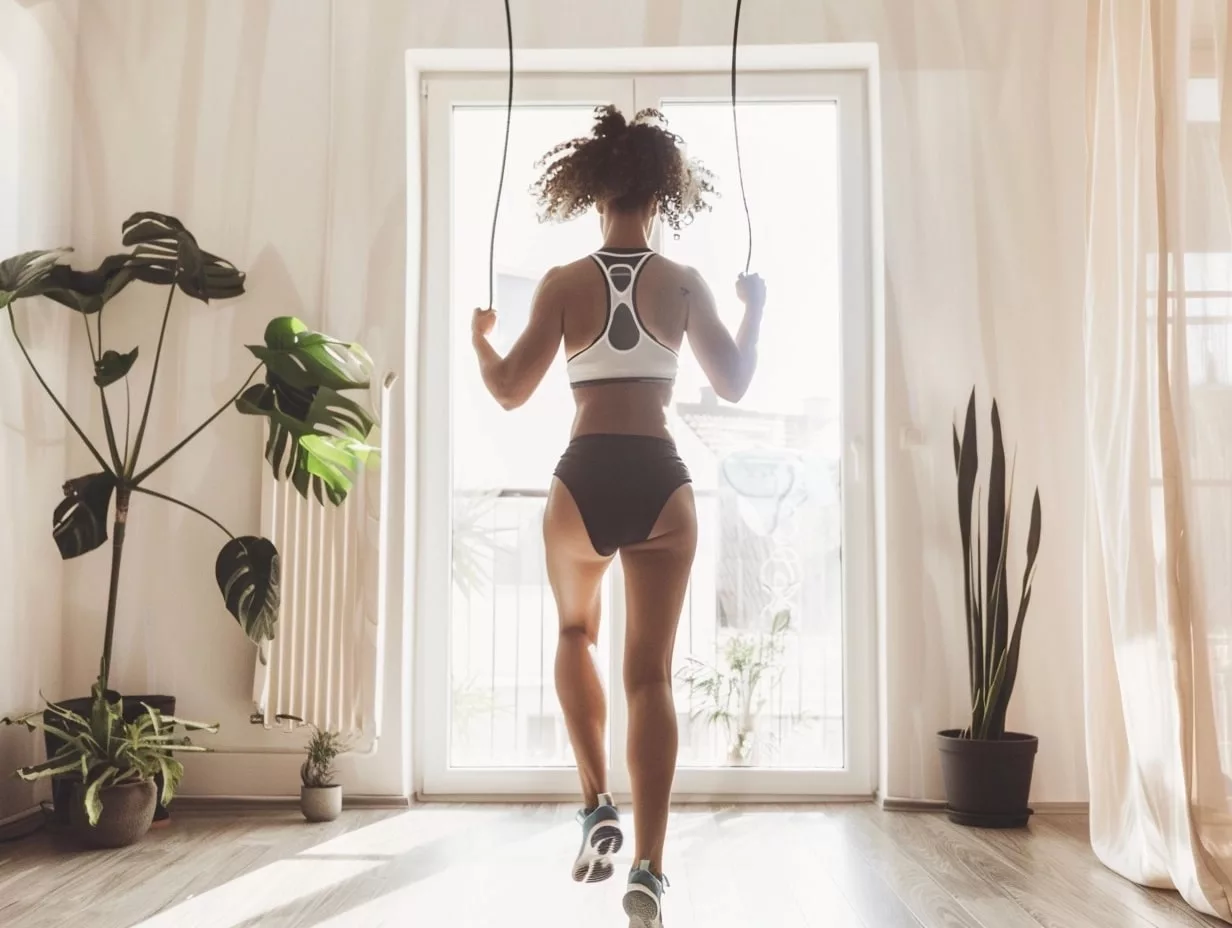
(320, 803)
(128, 812)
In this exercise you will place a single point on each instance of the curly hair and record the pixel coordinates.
(626, 164)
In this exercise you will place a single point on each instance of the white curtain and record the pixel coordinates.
(37, 47)
(1158, 341)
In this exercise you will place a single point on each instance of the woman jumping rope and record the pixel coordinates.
(623, 314)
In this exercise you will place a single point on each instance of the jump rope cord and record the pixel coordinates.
(736, 132)
(500, 187)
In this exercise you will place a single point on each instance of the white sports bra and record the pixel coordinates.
(625, 350)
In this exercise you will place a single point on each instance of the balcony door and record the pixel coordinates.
(773, 669)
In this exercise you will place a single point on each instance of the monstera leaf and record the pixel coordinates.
(89, 291)
(248, 574)
(305, 359)
(113, 367)
(167, 253)
(80, 521)
(26, 274)
(317, 436)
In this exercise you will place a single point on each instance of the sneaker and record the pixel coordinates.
(643, 898)
(601, 840)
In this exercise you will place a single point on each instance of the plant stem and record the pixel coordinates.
(181, 503)
(96, 354)
(60, 406)
(195, 432)
(123, 494)
(90, 338)
(149, 396)
(128, 416)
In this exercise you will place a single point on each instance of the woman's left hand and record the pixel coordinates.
(483, 321)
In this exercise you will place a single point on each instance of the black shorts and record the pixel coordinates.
(620, 484)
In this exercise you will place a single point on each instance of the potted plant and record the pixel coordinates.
(987, 770)
(733, 695)
(320, 798)
(113, 764)
(317, 435)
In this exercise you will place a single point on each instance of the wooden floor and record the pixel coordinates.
(834, 866)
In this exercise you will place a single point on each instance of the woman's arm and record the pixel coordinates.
(727, 363)
(512, 379)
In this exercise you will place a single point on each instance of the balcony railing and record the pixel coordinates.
(504, 711)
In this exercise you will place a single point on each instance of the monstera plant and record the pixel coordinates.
(317, 434)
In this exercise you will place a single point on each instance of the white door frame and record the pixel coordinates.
(421, 562)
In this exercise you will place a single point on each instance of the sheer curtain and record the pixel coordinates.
(1158, 316)
(36, 125)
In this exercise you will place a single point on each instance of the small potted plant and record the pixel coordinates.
(320, 798)
(733, 695)
(987, 770)
(113, 764)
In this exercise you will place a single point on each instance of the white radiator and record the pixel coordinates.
(326, 663)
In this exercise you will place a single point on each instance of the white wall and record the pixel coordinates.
(37, 58)
(219, 112)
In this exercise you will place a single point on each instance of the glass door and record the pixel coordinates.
(489, 714)
(774, 664)
(774, 670)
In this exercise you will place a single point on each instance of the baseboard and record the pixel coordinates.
(278, 803)
(896, 804)
(18, 818)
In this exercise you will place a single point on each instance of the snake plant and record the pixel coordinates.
(992, 643)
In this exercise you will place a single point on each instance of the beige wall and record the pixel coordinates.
(218, 112)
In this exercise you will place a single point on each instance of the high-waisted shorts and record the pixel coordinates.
(620, 484)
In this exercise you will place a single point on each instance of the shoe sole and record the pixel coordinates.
(642, 908)
(594, 862)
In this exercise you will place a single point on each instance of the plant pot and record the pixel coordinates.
(742, 752)
(62, 787)
(320, 803)
(988, 783)
(128, 812)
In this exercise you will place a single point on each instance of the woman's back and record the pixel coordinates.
(586, 289)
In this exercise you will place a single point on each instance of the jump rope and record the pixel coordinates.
(500, 187)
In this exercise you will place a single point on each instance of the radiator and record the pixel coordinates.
(326, 663)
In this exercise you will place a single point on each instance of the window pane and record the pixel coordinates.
(504, 711)
(760, 650)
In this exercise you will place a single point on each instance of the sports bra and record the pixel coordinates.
(625, 350)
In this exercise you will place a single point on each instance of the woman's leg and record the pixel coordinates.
(656, 579)
(575, 572)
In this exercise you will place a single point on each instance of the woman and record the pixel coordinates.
(622, 314)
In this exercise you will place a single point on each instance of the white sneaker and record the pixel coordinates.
(643, 898)
(601, 841)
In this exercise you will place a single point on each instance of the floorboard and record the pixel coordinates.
(849, 866)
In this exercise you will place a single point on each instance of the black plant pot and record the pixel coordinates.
(988, 783)
(62, 787)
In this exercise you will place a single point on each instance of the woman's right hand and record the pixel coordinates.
(483, 321)
(751, 291)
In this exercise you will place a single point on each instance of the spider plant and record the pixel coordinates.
(104, 751)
